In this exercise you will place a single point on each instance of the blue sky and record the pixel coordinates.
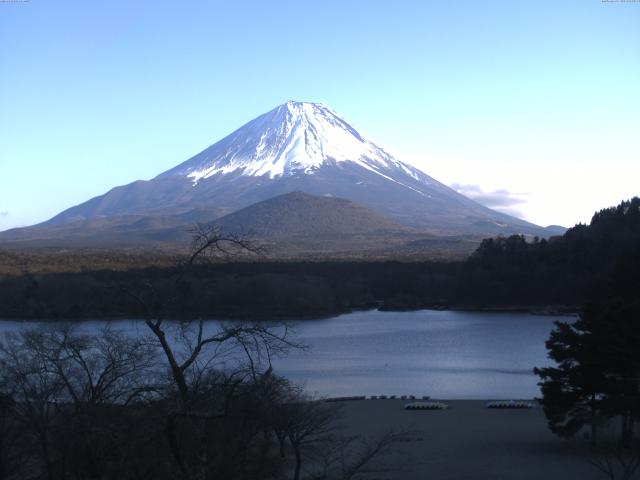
(529, 106)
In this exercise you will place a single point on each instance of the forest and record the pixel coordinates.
(512, 273)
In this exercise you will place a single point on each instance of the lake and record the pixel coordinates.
(443, 354)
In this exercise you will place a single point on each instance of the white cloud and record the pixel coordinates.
(501, 199)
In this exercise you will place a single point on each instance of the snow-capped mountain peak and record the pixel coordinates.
(296, 137)
(299, 147)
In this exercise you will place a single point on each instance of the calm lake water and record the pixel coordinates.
(444, 354)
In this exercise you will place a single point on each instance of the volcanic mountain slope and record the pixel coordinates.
(300, 214)
(302, 147)
(122, 231)
(294, 225)
(299, 225)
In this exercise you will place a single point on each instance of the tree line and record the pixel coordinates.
(504, 273)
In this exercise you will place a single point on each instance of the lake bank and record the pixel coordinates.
(469, 442)
(541, 310)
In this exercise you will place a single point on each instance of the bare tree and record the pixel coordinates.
(11, 437)
(618, 463)
(188, 357)
(103, 368)
(308, 423)
(347, 457)
(210, 241)
(615, 458)
(63, 386)
(313, 430)
(192, 344)
(36, 393)
(208, 363)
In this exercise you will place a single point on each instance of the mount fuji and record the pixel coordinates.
(296, 147)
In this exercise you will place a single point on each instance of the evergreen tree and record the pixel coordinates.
(574, 391)
(597, 376)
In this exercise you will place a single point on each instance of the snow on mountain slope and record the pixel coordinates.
(294, 137)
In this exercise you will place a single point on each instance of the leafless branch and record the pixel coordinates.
(209, 240)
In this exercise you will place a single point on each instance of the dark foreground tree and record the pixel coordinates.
(617, 462)
(11, 438)
(65, 391)
(597, 377)
(573, 392)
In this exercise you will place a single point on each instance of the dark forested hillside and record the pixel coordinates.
(588, 261)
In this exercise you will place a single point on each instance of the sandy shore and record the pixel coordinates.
(469, 441)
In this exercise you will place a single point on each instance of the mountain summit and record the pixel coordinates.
(296, 137)
(303, 147)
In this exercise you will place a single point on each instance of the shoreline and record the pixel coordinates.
(543, 311)
(468, 441)
(398, 398)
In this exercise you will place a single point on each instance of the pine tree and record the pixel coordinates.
(597, 376)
